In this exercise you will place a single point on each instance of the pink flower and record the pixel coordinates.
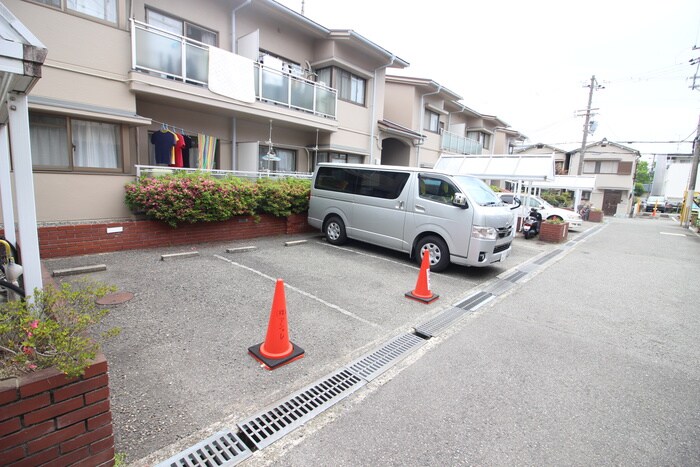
(31, 366)
(34, 324)
(29, 334)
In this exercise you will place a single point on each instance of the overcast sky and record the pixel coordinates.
(529, 62)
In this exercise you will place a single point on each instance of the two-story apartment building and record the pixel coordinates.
(248, 84)
(435, 122)
(613, 166)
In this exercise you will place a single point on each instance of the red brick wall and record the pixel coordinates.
(73, 240)
(46, 418)
(554, 233)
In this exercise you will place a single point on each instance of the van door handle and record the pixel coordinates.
(420, 207)
(400, 206)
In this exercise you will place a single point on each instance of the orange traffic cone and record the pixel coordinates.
(422, 291)
(277, 350)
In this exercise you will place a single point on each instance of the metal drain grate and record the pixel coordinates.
(224, 448)
(548, 256)
(375, 363)
(516, 276)
(272, 424)
(499, 287)
(432, 327)
(473, 302)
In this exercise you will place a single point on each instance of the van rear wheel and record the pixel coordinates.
(437, 248)
(334, 230)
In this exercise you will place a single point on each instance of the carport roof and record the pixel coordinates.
(525, 167)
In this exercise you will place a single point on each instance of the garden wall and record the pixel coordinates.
(46, 417)
(83, 239)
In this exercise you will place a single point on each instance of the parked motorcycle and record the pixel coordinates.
(531, 224)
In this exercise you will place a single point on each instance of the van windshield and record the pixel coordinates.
(477, 190)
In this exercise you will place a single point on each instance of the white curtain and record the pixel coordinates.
(95, 144)
(49, 141)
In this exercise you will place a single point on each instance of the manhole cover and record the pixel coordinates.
(115, 298)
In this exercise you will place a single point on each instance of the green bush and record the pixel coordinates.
(197, 197)
(51, 330)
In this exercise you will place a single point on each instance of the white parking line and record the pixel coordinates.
(674, 234)
(306, 294)
(369, 256)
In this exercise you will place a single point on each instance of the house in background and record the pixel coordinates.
(613, 166)
(243, 79)
(671, 176)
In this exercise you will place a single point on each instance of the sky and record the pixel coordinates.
(530, 62)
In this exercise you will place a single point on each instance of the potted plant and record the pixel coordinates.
(596, 215)
(554, 230)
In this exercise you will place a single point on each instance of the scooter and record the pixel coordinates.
(531, 224)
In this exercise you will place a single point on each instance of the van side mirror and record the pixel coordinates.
(459, 199)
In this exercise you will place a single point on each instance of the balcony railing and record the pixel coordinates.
(452, 142)
(180, 58)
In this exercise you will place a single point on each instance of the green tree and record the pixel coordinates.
(643, 176)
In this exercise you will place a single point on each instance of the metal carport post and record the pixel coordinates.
(21, 58)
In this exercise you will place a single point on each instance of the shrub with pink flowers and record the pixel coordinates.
(198, 197)
(51, 330)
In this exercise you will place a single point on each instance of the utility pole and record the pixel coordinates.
(693, 177)
(594, 85)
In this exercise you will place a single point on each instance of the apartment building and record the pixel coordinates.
(249, 84)
(424, 119)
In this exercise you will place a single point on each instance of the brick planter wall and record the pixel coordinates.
(554, 233)
(48, 418)
(83, 239)
(595, 216)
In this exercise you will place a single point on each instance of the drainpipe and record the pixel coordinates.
(372, 122)
(421, 110)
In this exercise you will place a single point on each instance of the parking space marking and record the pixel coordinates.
(673, 234)
(369, 256)
(306, 294)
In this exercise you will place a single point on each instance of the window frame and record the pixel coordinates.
(69, 154)
(432, 119)
(183, 23)
(63, 7)
(338, 75)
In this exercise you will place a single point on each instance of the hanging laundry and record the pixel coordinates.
(207, 151)
(186, 150)
(178, 162)
(164, 142)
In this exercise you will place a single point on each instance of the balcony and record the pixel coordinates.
(454, 143)
(179, 58)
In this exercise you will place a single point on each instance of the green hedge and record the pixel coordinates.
(198, 197)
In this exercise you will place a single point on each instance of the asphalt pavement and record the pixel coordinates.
(574, 358)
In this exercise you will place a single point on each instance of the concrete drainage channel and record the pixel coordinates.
(231, 447)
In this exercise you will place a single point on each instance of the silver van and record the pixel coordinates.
(457, 218)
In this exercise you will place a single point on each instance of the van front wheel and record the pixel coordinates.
(437, 248)
(334, 229)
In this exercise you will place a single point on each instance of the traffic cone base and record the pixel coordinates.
(422, 291)
(277, 349)
(273, 363)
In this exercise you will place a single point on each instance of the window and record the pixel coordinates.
(287, 162)
(105, 10)
(339, 158)
(481, 137)
(68, 143)
(180, 27)
(374, 183)
(432, 121)
(435, 189)
(350, 87)
(600, 167)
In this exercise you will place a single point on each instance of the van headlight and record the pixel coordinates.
(484, 233)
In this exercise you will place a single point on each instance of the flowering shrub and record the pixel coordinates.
(51, 331)
(197, 197)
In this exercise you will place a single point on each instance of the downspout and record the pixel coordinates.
(372, 122)
(421, 116)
